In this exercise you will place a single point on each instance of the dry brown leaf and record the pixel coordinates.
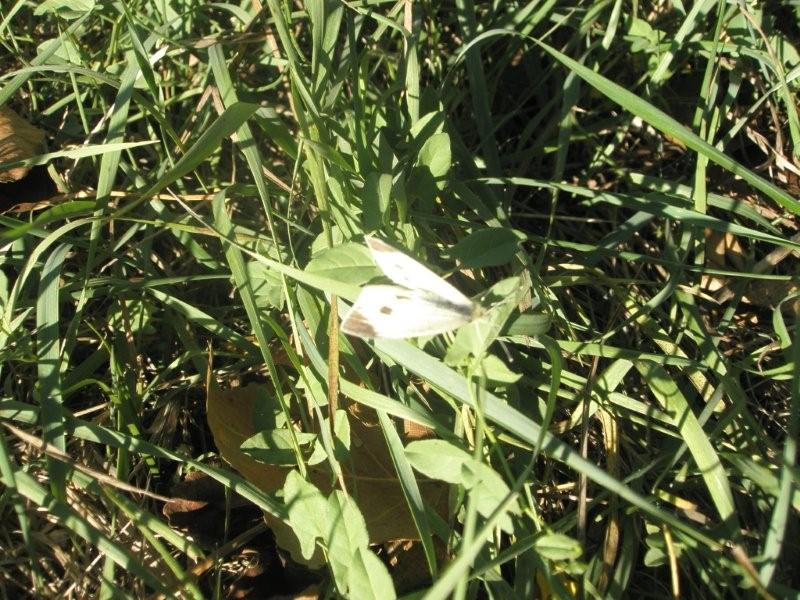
(415, 431)
(765, 292)
(761, 292)
(611, 540)
(18, 140)
(724, 249)
(409, 566)
(230, 418)
(310, 593)
(371, 477)
(198, 505)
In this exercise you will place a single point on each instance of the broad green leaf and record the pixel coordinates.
(557, 546)
(341, 428)
(475, 338)
(427, 125)
(345, 534)
(65, 9)
(487, 247)
(274, 446)
(59, 50)
(497, 372)
(308, 511)
(655, 557)
(349, 263)
(439, 459)
(376, 200)
(435, 155)
(368, 577)
(487, 489)
(266, 284)
(528, 325)
(341, 440)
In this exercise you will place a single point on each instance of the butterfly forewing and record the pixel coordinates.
(409, 273)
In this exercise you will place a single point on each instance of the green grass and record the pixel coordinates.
(622, 421)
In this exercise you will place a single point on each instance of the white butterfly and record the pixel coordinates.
(421, 304)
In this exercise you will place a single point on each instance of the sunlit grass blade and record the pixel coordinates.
(29, 488)
(48, 343)
(663, 122)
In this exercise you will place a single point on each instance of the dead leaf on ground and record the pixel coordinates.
(764, 292)
(18, 140)
(409, 566)
(310, 593)
(198, 505)
(371, 477)
(723, 250)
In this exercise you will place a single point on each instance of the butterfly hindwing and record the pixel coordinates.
(388, 311)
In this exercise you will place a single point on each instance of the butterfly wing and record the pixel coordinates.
(388, 311)
(409, 273)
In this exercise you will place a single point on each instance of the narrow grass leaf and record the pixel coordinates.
(70, 519)
(208, 142)
(71, 32)
(663, 122)
(410, 490)
(780, 518)
(48, 344)
(74, 153)
(453, 385)
(674, 402)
